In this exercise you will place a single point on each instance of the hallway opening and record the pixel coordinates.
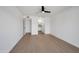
(41, 26)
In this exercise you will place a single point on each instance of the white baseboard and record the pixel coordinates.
(65, 40)
(15, 44)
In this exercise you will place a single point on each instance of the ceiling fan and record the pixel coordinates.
(43, 10)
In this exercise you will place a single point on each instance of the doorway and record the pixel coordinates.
(27, 25)
(41, 26)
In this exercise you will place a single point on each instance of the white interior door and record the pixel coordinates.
(27, 26)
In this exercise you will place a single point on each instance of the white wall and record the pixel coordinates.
(65, 25)
(47, 25)
(11, 28)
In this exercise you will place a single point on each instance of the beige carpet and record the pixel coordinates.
(43, 44)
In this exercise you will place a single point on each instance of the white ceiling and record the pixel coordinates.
(36, 10)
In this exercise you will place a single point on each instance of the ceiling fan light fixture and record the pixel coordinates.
(24, 16)
(43, 12)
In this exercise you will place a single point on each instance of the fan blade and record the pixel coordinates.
(47, 11)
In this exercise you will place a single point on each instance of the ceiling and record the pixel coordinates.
(36, 10)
